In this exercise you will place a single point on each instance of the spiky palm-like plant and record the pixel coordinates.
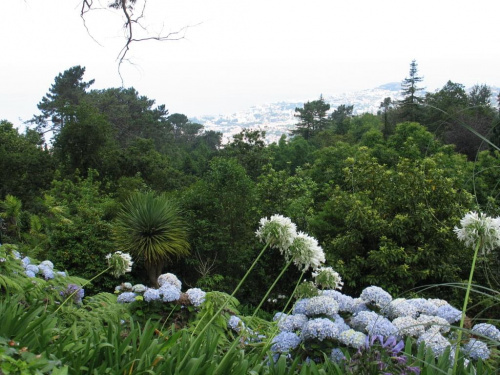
(151, 228)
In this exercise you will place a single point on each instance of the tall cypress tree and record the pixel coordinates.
(409, 105)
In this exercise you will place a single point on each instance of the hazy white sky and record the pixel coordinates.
(243, 53)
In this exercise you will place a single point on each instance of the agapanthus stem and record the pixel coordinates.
(76, 291)
(466, 301)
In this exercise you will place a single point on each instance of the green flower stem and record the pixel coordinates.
(294, 290)
(200, 336)
(269, 290)
(464, 308)
(88, 282)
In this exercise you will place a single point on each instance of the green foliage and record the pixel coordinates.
(312, 118)
(152, 229)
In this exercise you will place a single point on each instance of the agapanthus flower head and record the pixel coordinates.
(171, 279)
(306, 289)
(475, 227)
(377, 296)
(476, 349)
(77, 291)
(127, 297)
(169, 293)
(196, 296)
(327, 278)
(284, 342)
(487, 330)
(120, 263)
(305, 252)
(278, 231)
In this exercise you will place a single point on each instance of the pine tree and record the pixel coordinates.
(409, 105)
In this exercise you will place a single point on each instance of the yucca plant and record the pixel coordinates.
(151, 228)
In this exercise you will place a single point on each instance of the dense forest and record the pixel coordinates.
(103, 170)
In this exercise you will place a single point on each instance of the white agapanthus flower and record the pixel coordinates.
(327, 278)
(475, 227)
(278, 231)
(120, 263)
(305, 252)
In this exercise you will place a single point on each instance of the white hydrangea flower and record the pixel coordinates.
(196, 296)
(278, 231)
(476, 226)
(169, 278)
(407, 326)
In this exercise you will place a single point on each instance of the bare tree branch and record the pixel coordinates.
(131, 22)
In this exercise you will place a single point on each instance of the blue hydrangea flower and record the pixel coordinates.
(16, 254)
(345, 302)
(284, 342)
(358, 305)
(407, 326)
(476, 349)
(381, 327)
(30, 273)
(423, 306)
(126, 286)
(127, 297)
(352, 338)
(235, 323)
(291, 323)
(47, 272)
(376, 295)
(434, 323)
(151, 295)
(435, 341)
(139, 288)
(487, 330)
(26, 261)
(32, 268)
(449, 313)
(400, 307)
(47, 263)
(321, 305)
(279, 316)
(337, 355)
(169, 292)
(300, 306)
(320, 329)
(361, 320)
(196, 296)
(169, 278)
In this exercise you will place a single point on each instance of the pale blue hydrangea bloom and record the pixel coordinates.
(139, 288)
(169, 292)
(381, 327)
(300, 306)
(279, 316)
(487, 330)
(235, 323)
(345, 302)
(321, 305)
(196, 296)
(278, 231)
(47, 272)
(169, 278)
(358, 305)
(26, 261)
(126, 286)
(32, 268)
(16, 254)
(30, 273)
(361, 320)
(320, 329)
(352, 338)
(438, 302)
(337, 355)
(151, 294)
(284, 342)
(47, 263)
(292, 323)
(476, 349)
(376, 295)
(127, 297)
(449, 313)
(423, 306)
(434, 323)
(400, 307)
(407, 326)
(435, 341)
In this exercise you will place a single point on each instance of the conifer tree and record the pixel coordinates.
(409, 105)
